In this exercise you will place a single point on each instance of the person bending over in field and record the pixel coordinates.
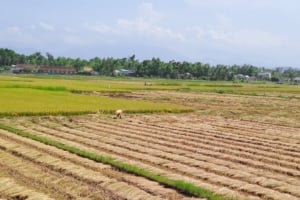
(119, 114)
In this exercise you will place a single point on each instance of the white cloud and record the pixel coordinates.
(147, 29)
(226, 32)
(32, 26)
(242, 38)
(46, 27)
(212, 2)
(13, 30)
(84, 41)
(230, 3)
(247, 38)
(73, 40)
(68, 29)
(224, 21)
(16, 35)
(147, 24)
(100, 28)
(147, 11)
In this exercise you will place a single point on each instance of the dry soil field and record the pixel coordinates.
(229, 146)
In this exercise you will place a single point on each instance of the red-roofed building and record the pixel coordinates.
(87, 69)
(26, 68)
(57, 70)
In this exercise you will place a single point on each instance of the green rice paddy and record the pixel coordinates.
(67, 95)
(34, 96)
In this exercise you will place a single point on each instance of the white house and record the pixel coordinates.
(264, 75)
(296, 80)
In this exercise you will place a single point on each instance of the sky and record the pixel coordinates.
(264, 33)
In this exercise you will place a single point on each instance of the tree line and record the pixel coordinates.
(147, 68)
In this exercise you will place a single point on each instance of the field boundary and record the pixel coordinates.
(108, 111)
(179, 185)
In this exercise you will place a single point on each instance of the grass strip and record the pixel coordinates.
(179, 185)
(37, 87)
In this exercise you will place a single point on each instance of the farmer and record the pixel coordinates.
(119, 114)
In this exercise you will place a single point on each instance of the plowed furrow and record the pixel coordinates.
(33, 177)
(64, 170)
(81, 174)
(274, 134)
(175, 155)
(250, 135)
(217, 146)
(200, 154)
(130, 157)
(195, 172)
(257, 125)
(265, 145)
(268, 148)
(9, 189)
(261, 126)
(144, 184)
(225, 137)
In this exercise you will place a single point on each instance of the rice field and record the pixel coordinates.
(52, 98)
(54, 173)
(236, 160)
(125, 85)
(236, 144)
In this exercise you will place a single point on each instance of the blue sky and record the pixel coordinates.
(259, 32)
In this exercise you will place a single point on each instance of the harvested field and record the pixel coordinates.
(238, 146)
(268, 109)
(235, 158)
(36, 170)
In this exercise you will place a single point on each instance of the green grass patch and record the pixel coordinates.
(181, 186)
(223, 85)
(169, 84)
(37, 87)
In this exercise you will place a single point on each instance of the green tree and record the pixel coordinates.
(50, 58)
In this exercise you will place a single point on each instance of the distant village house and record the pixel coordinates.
(87, 69)
(124, 72)
(296, 80)
(24, 68)
(264, 75)
(242, 77)
(57, 70)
